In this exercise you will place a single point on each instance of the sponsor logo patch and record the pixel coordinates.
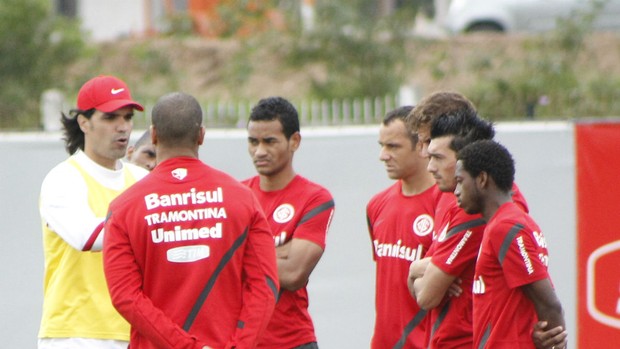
(188, 254)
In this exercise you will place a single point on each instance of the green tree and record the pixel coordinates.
(547, 81)
(363, 54)
(245, 17)
(35, 48)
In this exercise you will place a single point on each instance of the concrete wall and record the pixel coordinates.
(345, 160)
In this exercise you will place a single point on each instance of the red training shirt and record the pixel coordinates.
(302, 210)
(454, 250)
(513, 253)
(401, 230)
(189, 259)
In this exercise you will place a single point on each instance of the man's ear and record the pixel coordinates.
(153, 135)
(130, 150)
(82, 121)
(295, 141)
(201, 136)
(483, 180)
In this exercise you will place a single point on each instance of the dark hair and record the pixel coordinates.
(277, 108)
(490, 157)
(73, 135)
(400, 113)
(435, 105)
(177, 118)
(465, 127)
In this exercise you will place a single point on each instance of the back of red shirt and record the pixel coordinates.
(189, 259)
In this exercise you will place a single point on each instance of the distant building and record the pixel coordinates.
(112, 19)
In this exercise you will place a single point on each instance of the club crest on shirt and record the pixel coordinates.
(179, 173)
(283, 213)
(423, 225)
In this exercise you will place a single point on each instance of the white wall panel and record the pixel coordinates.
(345, 160)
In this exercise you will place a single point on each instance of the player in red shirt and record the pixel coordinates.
(188, 254)
(400, 222)
(454, 250)
(511, 269)
(457, 234)
(299, 213)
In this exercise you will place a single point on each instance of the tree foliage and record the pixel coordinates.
(246, 17)
(363, 53)
(547, 82)
(35, 48)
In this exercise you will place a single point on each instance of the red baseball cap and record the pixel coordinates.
(105, 93)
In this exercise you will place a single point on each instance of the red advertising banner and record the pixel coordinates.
(598, 234)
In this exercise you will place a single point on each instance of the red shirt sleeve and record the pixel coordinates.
(523, 262)
(457, 247)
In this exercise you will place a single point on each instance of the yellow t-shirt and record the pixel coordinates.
(76, 298)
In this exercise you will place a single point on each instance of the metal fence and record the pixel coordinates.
(335, 112)
(234, 114)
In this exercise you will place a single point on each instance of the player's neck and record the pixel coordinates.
(493, 203)
(165, 153)
(417, 183)
(277, 181)
(103, 161)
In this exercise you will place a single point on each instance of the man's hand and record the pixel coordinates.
(455, 289)
(416, 270)
(555, 338)
(411, 279)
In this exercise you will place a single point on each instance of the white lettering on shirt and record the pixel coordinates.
(188, 254)
(179, 234)
(540, 239)
(459, 247)
(193, 197)
(398, 250)
(526, 258)
(186, 215)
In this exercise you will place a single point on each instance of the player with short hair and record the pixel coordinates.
(299, 213)
(400, 222)
(429, 108)
(142, 153)
(511, 268)
(433, 280)
(188, 255)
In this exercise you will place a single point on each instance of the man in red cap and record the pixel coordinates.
(77, 311)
